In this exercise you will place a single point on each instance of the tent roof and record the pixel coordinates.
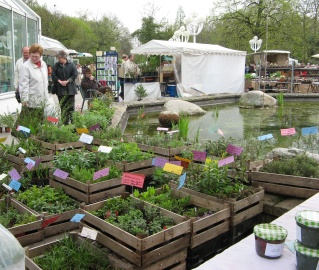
(162, 47)
(276, 51)
(51, 46)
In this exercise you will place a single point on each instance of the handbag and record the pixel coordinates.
(54, 89)
(18, 98)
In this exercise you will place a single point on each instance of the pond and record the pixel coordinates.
(244, 124)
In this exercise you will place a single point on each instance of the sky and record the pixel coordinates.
(130, 12)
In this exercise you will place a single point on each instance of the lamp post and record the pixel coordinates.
(194, 25)
(181, 35)
(255, 45)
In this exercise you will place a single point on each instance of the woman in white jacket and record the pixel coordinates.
(33, 86)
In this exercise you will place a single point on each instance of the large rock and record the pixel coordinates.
(183, 107)
(290, 152)
(257, 99)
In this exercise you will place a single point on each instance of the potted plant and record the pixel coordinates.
(140, 92)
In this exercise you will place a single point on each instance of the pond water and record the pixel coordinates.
(242, 124)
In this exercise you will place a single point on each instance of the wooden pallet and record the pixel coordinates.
(27, 233)
(239, 210)
(88, 192)
(166, 152)
(207, 228)
(59, 146)
(152, 252)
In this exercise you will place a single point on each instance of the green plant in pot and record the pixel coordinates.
(140, 92)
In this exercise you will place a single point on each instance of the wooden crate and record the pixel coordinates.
(19, 160)
(166, 152)
(147, 253)
(289, 185)
(88, 192)
(59, 146)
(207, 228)
(41, 166)
(39, 250)
(26, 233)
(239, 210)
(131, 166)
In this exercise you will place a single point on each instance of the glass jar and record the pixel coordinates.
(269, 240)
(308, 228)
(306, 258)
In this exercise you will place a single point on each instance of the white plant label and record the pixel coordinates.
(274, 250)
(298, 233)
(7, 187)
(22, 150)
(88, 139)
(104, 149)
(2, 176)
(88, 233)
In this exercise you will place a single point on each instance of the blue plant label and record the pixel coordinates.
(265, 137)
(77, 217)
(309, 130)
(15, 185)
(28, 160)
(22, 128)
(14, 174)
(182, 181)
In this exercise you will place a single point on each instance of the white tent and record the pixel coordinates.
(208, 68)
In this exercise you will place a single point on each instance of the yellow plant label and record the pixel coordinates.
(168, 167)
(3, 139)
(208, 161)
(182, 159)
(82, 130)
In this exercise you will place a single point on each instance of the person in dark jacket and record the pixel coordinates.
(64, 74)
(89, 82)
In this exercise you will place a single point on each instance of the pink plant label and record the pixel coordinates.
(199, 155)
(159, 162)
(101, 173)
(37, 162)
(162, 129)
(131, 179)
(226, 161)
(95, 127)
(220, 132)
(61, 174)
(288, 132)
(47, 222)
(15, 175)
(234, 150)
(176, 162)
(52, 119)
(30, 165)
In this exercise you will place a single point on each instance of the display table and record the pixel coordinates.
(152, 89)
(242, 256)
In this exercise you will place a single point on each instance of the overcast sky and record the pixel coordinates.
(130, 12)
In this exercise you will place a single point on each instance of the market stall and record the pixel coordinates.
(201, 68)
(152, 90)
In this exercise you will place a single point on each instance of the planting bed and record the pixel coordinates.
(161, 250)
(59, 146)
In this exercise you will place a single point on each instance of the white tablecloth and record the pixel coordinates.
(242, 256)
(152, 89)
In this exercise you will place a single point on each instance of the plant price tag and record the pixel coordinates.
(30, 165)
(199, 155)
(37, 162)
(2, 176)
(208, 161)
(77, 217)
(22, 150)
(28, 160)
(101, 173)
(88, 139)
(47, 222)
(287, 131)
(234, 150)
(52, 119)
(176, 162)
(104, 149)
(162, 129)
(173, 168)
(15, 185)
(265, 137)
(309, 130)
(226, 161)
(88, 233)
(182, 180)
(182, 159)
(95, 127)
(159, 162)
(173, 131)
(7, 187)
(132, 179)
(82, 130)
(22, 128)
(3, 139)
(61, 174)
(15, 175)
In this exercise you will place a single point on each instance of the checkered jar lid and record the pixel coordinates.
(311, 252)
(270, 232)
(308, 218)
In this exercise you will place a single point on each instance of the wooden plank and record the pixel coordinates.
(41, 166)
(30, 265)
(25, 228)
(106, 194)
(289, 180)
(248, 213)
(31, 238)
(117, 263)
(258, 196)
(137, 165)
(58, 146)
(286, 190)
(115, 182)
(180, 266)
(209, 234)
(56, 229)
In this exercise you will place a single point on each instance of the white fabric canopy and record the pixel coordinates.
(152, 89)
(206, 68)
